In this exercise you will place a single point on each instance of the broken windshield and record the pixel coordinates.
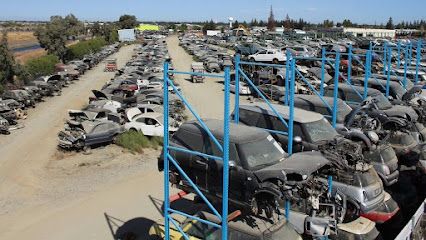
(261, 153)
(320, 131)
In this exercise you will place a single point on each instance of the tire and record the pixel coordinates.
(275, 61)
(269, 211)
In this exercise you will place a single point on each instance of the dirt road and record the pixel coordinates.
(207, 98)
(37, 182)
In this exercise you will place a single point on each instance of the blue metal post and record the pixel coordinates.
(389, 53)
(410, 53)
(237, 89)
(336, 88)
(404, 83)
(349, 64)
(330, 184)
(322, 72)
(225, 157)
(385, 49)
(399, 55)
(165, 149)
(287, 209)
(287, 77)
(291, 117)
(418, 58)
(367, 72)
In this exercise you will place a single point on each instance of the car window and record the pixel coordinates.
(150, 121)
(188, 140)
(140, 120)
(320, 130)
(270, 52)
(262, 52)
(101, 128)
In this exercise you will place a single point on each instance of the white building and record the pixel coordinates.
(370, 32)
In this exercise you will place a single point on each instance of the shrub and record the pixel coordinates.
(136, 141)
(41, 66)
(78, 50)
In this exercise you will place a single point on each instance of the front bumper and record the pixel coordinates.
(384, 212)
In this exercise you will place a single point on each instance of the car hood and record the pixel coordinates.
(402, 111)
(304, 163)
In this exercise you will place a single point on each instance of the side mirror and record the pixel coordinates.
(390, 98)
(232, 165)
(297, 139)
(157, 124)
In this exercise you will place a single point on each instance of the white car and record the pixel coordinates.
(150, 124)
(268, 55)
(244, 88)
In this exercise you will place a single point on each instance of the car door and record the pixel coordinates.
(237, 174)
(98, 134)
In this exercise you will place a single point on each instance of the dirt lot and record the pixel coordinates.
(49, 195)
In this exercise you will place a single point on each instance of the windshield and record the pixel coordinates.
(382, 103)
(320, 130)
(261, 153)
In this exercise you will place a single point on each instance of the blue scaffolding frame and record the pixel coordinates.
(168, 159)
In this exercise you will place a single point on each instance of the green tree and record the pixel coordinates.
(183, 27)
(347, 23)
(7, 61)
(53, 36)
(96, 29)
(127, 21)
(389, 24)
(41, 66)
(73, 25)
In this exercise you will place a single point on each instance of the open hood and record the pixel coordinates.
(99, 95)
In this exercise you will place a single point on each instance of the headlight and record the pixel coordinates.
(373, 136)
(386, 170)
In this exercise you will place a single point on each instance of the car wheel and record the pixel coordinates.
(269, 211)
(254, 206)
(275, 61)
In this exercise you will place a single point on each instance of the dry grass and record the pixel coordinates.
(23, 57)
(21, 38)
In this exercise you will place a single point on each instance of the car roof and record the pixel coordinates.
(300, 115)
(238, 133)
(350, 88)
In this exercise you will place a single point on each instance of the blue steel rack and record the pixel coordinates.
(169, 159)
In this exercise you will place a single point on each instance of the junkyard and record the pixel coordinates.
(223, 129)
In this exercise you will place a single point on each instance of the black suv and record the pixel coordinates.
(259, 169)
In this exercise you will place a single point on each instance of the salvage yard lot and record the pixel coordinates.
(47, 194)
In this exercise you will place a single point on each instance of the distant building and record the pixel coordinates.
(370, 32)
(147, 27)
(406, 32)
(213, 32)
(126, 35)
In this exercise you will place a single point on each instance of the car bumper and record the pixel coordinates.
(368, 206)
(384, 212)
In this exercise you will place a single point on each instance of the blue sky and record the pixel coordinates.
(361, 11)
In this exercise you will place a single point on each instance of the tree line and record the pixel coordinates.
(56, 37)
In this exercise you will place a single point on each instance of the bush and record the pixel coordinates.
(78, 50)
(136, 141)
(41, 66)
